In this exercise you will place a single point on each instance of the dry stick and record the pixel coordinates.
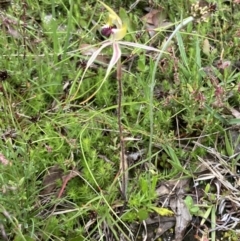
(123, 165)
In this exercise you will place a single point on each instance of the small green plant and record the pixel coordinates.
(193, 208)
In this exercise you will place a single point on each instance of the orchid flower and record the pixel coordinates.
(116, 31)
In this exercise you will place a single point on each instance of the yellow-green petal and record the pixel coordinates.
(119, 34)
(113, 17)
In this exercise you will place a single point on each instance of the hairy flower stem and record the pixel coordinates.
(123, 161)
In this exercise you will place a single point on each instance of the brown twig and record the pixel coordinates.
(73, 173)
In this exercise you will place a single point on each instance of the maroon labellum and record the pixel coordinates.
(107, 30)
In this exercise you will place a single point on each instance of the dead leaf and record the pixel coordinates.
(206, 47)
(54, 174)
(52, 190)
(170, 187)
(235, 113)
(152, 17)
(3, 160)
(156, 18)
(160, 225)
(183, 216)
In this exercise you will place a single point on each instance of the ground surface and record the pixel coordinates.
(63, 131)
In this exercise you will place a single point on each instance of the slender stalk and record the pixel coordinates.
(123, 163)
